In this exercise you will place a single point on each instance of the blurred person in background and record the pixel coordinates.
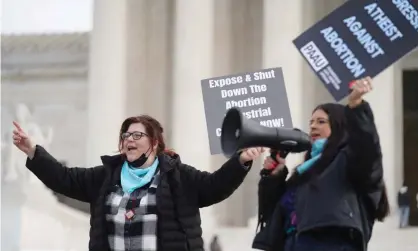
(214, 244)
(331, 201)
(144, 198)
(403, 205)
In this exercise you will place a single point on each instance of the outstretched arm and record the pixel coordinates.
(215, 187)
(78, 183)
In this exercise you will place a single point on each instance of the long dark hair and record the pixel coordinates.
(338, 137)
(383, 207)
(335, 142)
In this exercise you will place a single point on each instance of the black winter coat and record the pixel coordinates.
(344, 194)
(182, 191)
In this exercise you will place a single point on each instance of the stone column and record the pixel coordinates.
(283, 22)
(149, 60)
(107, 78)
(130, 69)
(386, 102)
(192, 62)
(238, 48)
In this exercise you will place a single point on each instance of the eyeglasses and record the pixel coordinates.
(319, 121)
(135, 135)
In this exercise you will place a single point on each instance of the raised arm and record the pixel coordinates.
(78, 183)
(363, 140)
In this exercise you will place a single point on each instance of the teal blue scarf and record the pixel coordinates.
(134, 178)
(317, 148)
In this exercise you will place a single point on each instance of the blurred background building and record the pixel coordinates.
(71, 89)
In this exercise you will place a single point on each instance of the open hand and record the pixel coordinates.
(250, 154)
(359, 89)
(22, 141)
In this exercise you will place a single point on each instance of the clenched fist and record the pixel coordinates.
(359, 88)
(276, 166)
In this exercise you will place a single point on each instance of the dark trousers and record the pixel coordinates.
(322, 241)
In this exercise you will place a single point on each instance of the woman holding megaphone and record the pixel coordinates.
(143, 198)
(331, 201)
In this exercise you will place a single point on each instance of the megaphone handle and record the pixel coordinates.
(273, 154)
(282, 154)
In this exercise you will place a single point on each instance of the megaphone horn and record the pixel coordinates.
(239, 133)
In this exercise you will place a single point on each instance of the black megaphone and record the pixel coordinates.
(239, 133)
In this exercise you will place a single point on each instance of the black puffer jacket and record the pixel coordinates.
(182, 191)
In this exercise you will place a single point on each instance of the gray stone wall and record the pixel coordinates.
(57, 107)
(44, 88)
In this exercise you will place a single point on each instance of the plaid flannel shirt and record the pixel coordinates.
(132, 218)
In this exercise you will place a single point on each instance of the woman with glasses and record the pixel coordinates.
(144, 198)
(331, 201)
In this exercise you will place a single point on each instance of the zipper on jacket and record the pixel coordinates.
(175, 206)
(176, 214)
